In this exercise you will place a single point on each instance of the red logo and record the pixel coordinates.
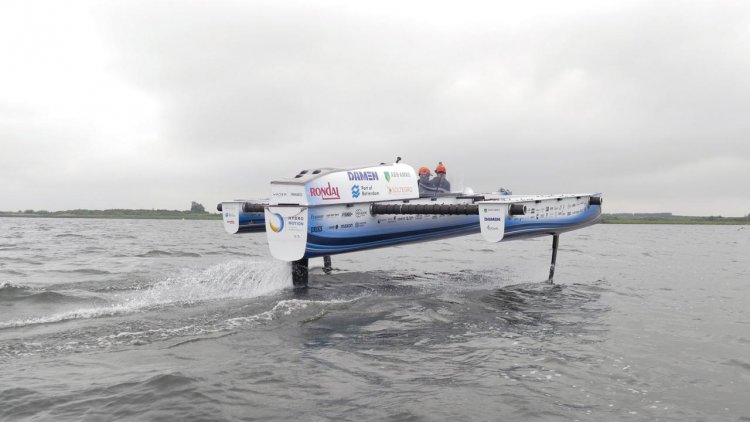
(325, 193)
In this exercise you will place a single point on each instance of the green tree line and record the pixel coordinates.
(196, 212)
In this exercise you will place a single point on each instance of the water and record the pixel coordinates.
(175, 320)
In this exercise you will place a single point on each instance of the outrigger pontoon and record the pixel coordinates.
(329, 211)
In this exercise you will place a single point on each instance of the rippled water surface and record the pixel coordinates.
(176, 320)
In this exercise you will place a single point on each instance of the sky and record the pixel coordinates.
(154, 104)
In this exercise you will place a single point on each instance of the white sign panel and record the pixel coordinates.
(492, 220)
(286, 230)
(230, 213)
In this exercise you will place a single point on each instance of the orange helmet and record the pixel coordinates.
(424, 170)
(440, 168)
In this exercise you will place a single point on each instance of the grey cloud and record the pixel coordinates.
(598, 101)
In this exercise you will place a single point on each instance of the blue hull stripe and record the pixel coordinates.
(340, 245)
(335, 241)
(319, 245)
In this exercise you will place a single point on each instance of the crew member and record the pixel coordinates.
(439, 182)
(425, 185)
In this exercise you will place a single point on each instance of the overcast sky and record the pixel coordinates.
(154, 104)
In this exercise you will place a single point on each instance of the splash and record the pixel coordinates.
(228, 280)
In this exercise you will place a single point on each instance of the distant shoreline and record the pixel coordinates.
(118, 215)
(661, 218)
(669, 218)
(729, 221)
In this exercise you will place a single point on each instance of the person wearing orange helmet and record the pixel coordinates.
(425, 185)
(439, 182)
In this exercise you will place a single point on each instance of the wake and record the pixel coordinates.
(228, 280)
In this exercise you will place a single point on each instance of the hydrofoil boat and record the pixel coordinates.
(328, 211)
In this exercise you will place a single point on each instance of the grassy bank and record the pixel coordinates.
(666, 218)
(117, 214)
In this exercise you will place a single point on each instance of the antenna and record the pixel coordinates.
(398, 159)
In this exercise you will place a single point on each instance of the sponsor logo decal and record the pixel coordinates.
(315, 229)
(399, 189)
(395, 174)
(295, 222)
(362, 175)
(493, 219)
(347, 214)
(346, 226)
(325, 193)
(360, 213)
(279, 226)
(364, 190)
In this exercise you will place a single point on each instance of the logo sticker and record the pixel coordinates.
(355, 191)
(362, 175)
(387, 175)
(276, 228)
(399, 189)
(327, 192)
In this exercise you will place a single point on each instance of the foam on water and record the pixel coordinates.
(285, 308)
(10, 286)
(228, 280)
(282, 309)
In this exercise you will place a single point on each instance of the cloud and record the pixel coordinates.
(210, 101)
